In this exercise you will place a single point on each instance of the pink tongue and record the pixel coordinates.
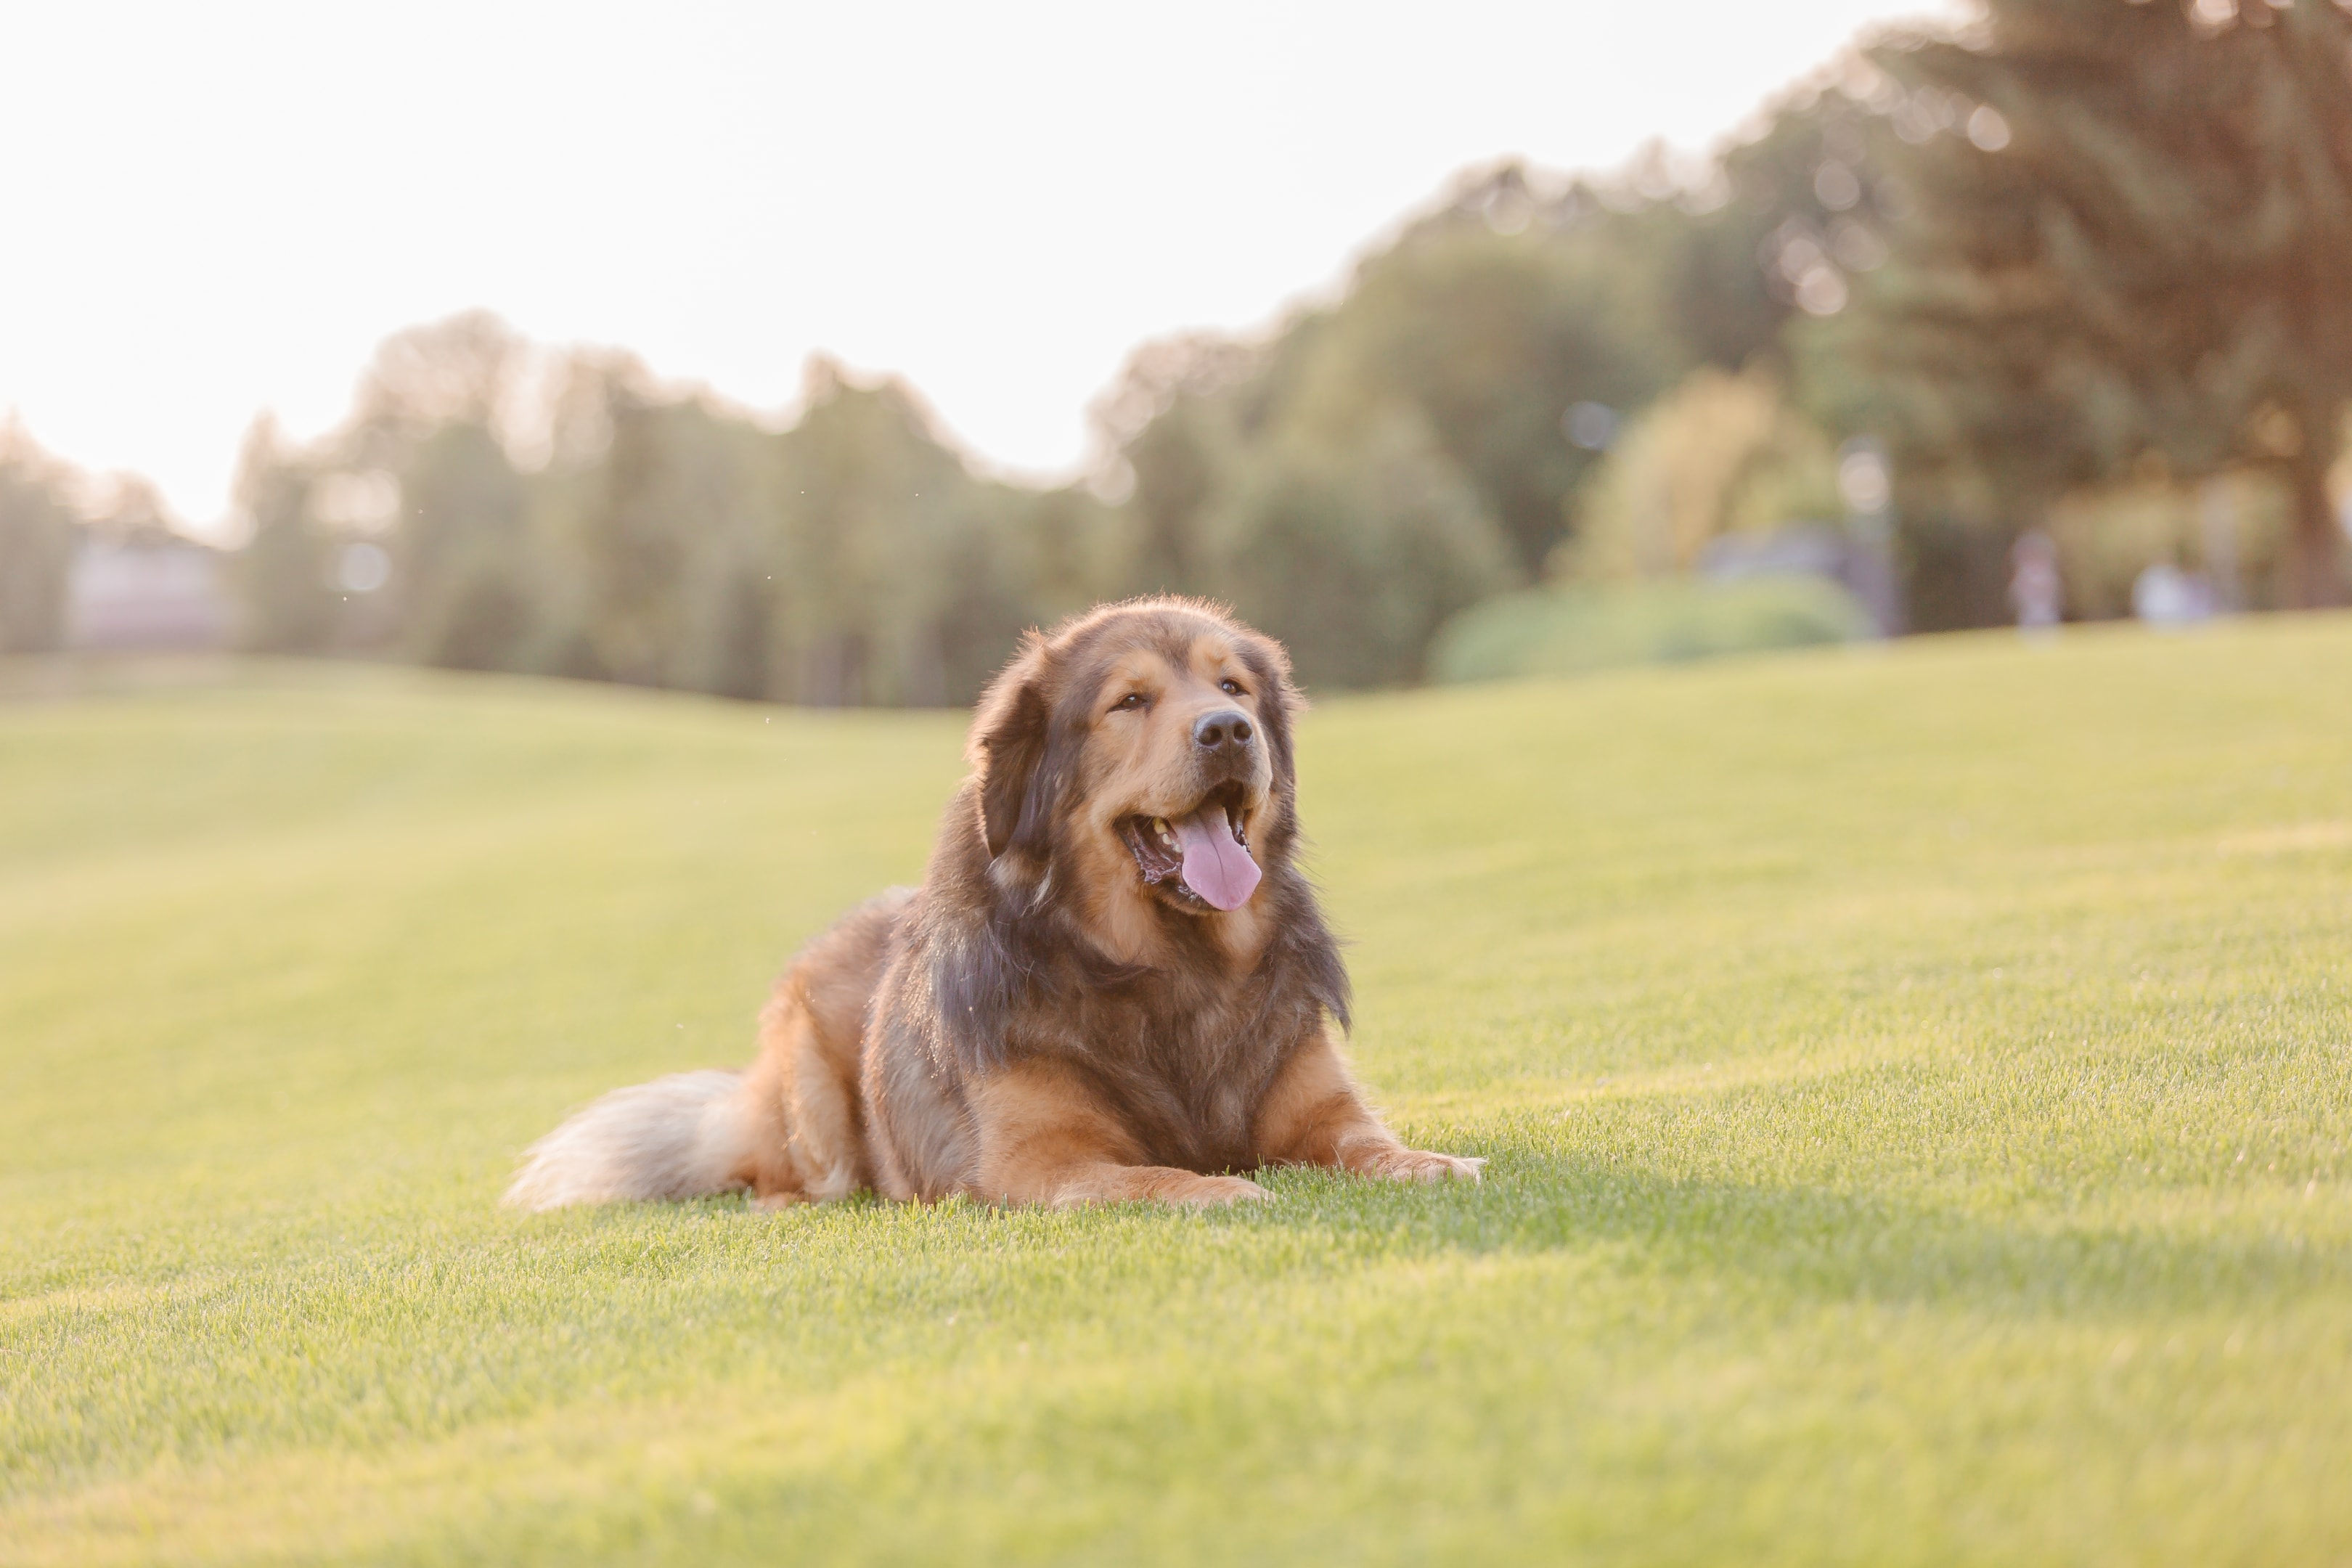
(1215, 864)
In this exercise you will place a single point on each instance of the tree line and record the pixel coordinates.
(2083, 244)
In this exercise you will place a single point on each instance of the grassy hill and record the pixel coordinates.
(1918, 1088)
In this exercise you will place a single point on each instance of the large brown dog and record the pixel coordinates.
(1113, 984)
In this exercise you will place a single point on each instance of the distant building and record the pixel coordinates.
(148, 592)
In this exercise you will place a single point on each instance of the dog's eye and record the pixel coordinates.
(1233, 686)
(1130, 703)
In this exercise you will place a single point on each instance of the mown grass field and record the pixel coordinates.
(1918, 1089)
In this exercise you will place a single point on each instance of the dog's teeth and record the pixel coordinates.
(1159, 826)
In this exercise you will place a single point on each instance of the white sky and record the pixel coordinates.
(211, 209)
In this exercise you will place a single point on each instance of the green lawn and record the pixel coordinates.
(1918, 1084)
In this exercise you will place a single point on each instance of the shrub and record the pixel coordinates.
(1566, 631)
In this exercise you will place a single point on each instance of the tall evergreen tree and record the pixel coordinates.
(2136, 237)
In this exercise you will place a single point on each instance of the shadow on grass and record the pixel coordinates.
(1821, 1243)
(1809, 1241)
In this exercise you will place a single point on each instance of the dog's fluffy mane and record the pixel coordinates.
(1014, 973)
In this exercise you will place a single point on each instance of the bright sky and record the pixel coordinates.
(214, 209)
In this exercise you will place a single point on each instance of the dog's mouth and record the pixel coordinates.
(1202, 858)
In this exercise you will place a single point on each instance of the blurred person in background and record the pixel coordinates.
(2035, 589)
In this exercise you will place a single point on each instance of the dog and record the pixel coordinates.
(1114, 983)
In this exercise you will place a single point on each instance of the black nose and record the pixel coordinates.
(1228, 729)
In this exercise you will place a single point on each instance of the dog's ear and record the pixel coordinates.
(1008, 743)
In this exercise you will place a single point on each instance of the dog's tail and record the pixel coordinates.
(678, 1137)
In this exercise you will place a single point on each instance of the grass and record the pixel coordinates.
(1918, 1084)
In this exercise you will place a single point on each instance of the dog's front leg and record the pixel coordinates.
(1315, 1115)
(1044, 1138)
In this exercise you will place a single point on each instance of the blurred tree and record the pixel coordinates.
(429, 418)
(2134, 233)
(890, 541)
(465, 569)
(284, 573)
(1720, 454)
(1058, 551)
(1173, 424)
(1954, 570)
(1806, 208)
(38, 533)
(659, 539)
(670, 546)
(1353, 555)
(461, 370)
(1011, 558)
(1492, 338)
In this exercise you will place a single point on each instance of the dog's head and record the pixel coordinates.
(1142, 752)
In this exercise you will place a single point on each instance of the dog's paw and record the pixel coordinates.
(1205, 1191)
(1421, 1165)
(832, 1184)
